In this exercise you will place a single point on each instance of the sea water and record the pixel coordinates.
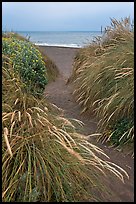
(75, 39)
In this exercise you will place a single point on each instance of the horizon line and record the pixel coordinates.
(51, 30)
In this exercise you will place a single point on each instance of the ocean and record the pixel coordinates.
(75, 39)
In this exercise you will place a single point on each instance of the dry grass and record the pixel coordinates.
(103, 77)
(44, 159)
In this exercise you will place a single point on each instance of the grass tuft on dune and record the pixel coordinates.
(103, 77)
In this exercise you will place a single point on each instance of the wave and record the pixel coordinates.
(59, 45)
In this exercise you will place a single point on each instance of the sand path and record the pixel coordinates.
(60, 93)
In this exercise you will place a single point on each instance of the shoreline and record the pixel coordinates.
(55, 46)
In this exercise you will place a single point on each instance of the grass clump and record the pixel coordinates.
(43, 157)
(103, 76)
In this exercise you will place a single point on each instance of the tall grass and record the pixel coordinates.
(103, 76)
(43, 157)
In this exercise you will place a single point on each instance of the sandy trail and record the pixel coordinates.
(60, 93)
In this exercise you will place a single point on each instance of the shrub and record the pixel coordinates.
(26, 60)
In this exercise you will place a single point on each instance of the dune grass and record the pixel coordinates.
(103, 78)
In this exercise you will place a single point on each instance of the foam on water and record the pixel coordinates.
(59, 45)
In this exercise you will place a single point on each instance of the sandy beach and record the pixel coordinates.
(60, 93)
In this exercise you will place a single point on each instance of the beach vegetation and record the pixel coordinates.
(27, 60)
(103, 78)
(43, 157)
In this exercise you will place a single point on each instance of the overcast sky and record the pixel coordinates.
(62, 16)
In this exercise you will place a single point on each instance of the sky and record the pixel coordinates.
(62, 16)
